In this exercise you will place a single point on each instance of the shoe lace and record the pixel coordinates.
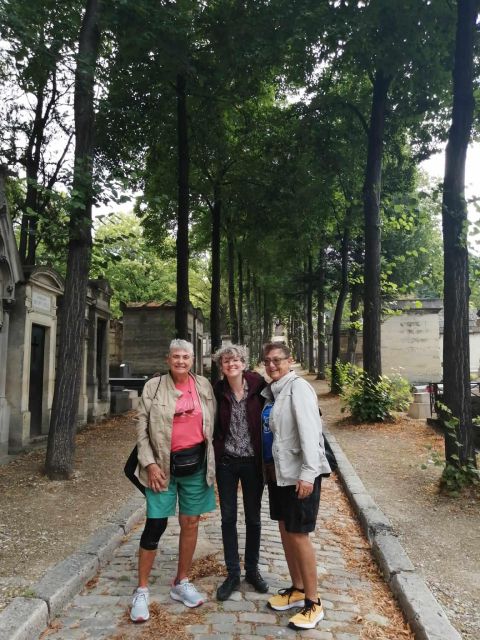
(288, 591)
(308, 608)
(188, 586)
(138, 595)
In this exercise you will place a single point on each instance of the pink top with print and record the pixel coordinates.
(187, 428)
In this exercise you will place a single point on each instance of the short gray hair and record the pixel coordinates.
(178, 344)
(270, 346)
(230, 351)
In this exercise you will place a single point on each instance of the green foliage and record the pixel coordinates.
(456, 476)
(346, 374)
(371, 401)
(136, 270)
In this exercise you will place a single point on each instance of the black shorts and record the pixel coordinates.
(299, 516)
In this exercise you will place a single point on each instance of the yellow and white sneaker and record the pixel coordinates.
(308, 617)
(286, 599)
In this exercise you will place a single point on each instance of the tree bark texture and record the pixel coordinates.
(183, 293)
(61, 436)
(371, 204)
(354, 317)
(215, 293)
(456, 361)
(248, 302)
(267, 320)
(337, 317)
(232, 307)
(241, 329)
(311, 363)
(321, 338)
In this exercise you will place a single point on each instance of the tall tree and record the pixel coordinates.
(183, 291)
(459, 446)
(61, 436)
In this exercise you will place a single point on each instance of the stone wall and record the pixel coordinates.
(410, 345)
(147, 332)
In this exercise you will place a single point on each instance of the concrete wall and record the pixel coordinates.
(147, 333)
(475, 353)
(410, 346)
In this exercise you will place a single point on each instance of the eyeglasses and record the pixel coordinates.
(276, 361)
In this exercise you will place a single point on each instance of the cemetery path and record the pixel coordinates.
(440, 534)
(43, 522)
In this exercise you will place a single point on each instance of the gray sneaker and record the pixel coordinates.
(186, 592)
(139, 611)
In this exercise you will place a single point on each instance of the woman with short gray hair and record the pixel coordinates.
(238, 455)
(176, 462)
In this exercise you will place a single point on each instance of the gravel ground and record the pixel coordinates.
(440, 534)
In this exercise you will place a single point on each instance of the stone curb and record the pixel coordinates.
(422, 611)
(27, 618)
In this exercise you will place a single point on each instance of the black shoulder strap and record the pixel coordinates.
(158, 387)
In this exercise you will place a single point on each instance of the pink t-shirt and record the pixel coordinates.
(187, 430)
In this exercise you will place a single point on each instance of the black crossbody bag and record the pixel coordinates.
(132, 461)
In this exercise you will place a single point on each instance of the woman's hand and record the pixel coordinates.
(156, 478)
(303, 489)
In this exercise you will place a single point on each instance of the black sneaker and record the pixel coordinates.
(255, 579)
(226, 589)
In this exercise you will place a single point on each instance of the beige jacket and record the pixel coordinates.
(155, 420)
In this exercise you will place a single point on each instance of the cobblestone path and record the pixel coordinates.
(357, 603)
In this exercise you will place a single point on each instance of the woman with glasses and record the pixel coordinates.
(176, 460)
(238, 455)
(293, 448)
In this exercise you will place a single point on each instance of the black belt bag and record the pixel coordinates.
(187, 461)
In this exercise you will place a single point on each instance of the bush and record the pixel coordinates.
(400, 390)
(345, 375)
(371, 401)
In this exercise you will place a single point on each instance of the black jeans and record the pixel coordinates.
(229, 472)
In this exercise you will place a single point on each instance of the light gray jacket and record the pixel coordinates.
(155, 421)
(298, 449)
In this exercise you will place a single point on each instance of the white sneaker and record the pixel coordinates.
(186, 592)
(139, 611)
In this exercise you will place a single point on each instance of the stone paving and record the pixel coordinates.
(357, 602)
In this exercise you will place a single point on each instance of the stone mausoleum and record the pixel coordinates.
(148, 328)
(30, 313)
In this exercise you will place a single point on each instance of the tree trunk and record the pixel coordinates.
(267, 320)
(232, 307)
(311, 364)
(337, 317)
(183, 294)
(27, 244)
(321, 338)
(354, 317)
(61, 437)
(216, 337)
(371, 200)
(459, 447)
(241, 330)
(248, 301)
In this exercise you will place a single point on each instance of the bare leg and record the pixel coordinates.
(186, 544)
(145, 563)
(302, 564)
(292, 562)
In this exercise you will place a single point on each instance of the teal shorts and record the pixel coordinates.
(194, 497)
